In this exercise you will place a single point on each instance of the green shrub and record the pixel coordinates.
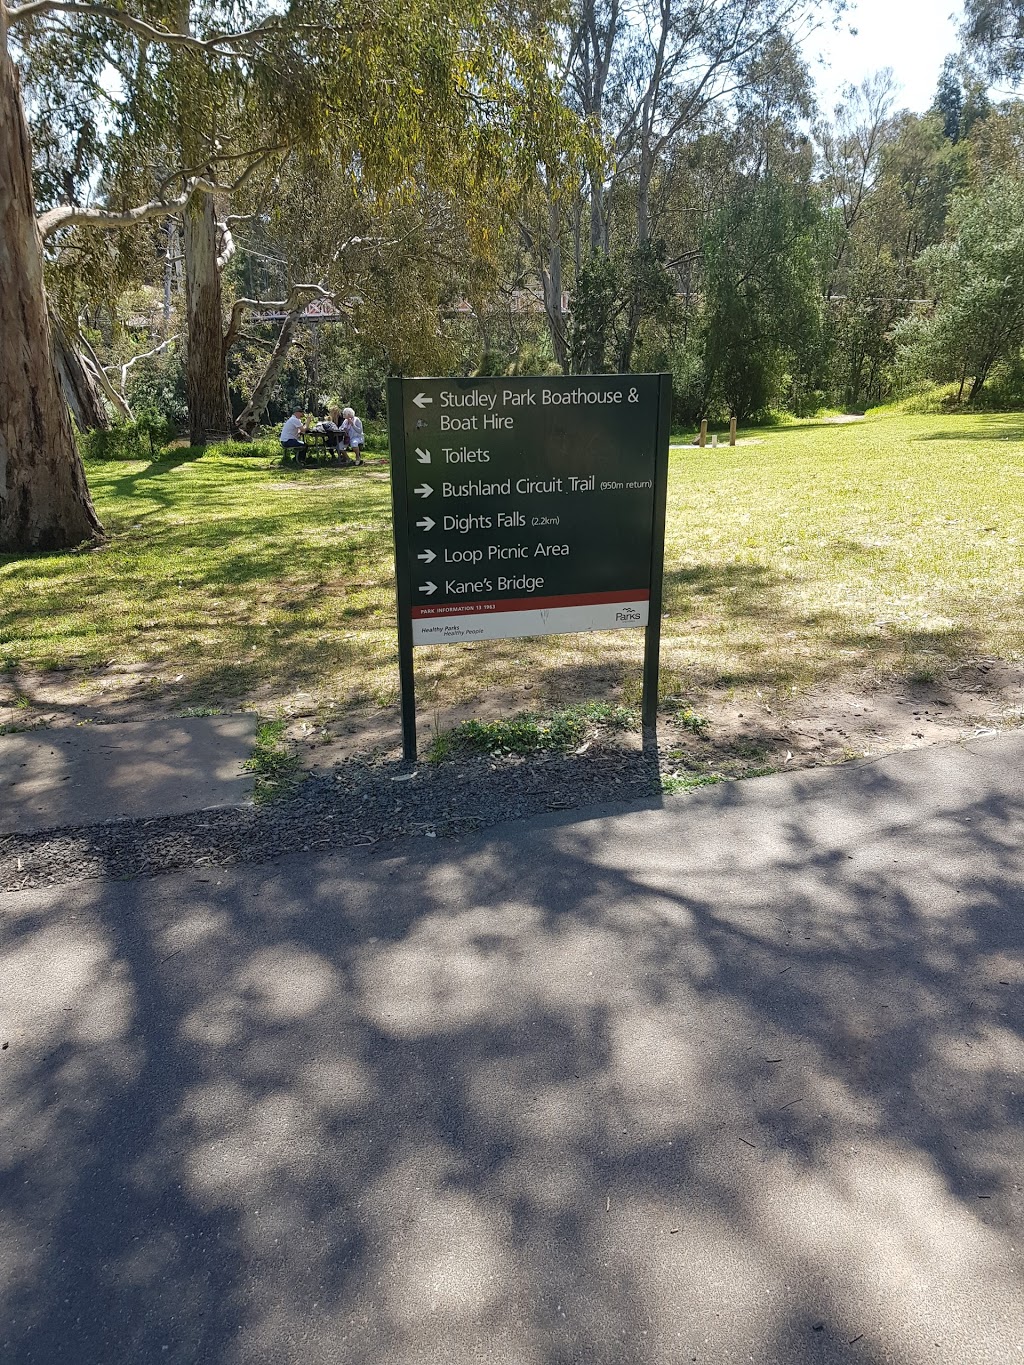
(530, 733)
(141, 439)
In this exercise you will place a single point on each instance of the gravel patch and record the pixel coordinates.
(358, 803)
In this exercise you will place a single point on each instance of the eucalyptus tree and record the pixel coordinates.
(648, 75)
(764, 247)
(396, 265)
(215, 96)
(874, 282)
(977, 274)
(851, 144)
(993, 31)
(763, 270)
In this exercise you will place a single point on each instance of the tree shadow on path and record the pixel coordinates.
(734, 1080)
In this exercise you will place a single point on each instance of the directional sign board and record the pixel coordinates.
(527, 506)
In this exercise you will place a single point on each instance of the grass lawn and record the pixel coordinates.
(890, 547)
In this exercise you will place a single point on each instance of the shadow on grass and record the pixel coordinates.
(997, 427)
(300, 655)
(739, 1082)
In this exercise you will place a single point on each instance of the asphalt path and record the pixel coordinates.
(728, 1078)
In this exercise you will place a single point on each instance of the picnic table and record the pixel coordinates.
(315, 443)
(329, 445)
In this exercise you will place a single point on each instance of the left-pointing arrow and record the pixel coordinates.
(428, 587)
(424, 490)
(427, 556)
(421, 400)
(422, 456)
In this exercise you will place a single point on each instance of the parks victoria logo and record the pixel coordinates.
(627, 614)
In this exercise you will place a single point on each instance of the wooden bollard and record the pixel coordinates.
(703, 439)
(732, 431)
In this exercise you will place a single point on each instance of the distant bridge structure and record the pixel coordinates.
(317, 310)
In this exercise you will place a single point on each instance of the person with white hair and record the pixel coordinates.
(353, 429)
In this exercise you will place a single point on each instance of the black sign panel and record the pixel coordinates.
(527, 506)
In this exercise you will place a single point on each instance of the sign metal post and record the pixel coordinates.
(528, 507)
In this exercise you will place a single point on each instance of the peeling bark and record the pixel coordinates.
(206, 379)
(44, 500)
(79, 383)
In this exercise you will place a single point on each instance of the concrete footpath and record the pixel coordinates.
(85, 774)
(735, 1079)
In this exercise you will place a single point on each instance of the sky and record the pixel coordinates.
(912, 36)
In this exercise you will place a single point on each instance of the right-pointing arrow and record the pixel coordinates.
(426, 523)
(428, 587)
(422, 456)
(424, 490)
(427, 556)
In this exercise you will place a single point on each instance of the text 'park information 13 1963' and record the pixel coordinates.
(527, 506)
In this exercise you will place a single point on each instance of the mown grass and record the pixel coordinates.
(893, 546)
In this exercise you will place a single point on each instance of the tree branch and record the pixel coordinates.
(288, 305)
(144, 356)
(225, 43)
(69, 215)
(228, 247)
(116, 400)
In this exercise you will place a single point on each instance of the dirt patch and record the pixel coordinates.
(824, 726)
(721, 731)
(736, 735)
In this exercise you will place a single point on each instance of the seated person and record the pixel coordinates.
(335, 437)
(353, 428)
(291, 431)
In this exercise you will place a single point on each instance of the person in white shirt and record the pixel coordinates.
(353, 428)
(291, 431)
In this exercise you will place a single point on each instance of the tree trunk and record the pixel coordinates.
(206, 380)
(81, 391)
(44, 500)
(170, 267)
(634, 316)
(551, 282)
(250, 415)
(598, 221)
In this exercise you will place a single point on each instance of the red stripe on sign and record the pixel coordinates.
(583, 599)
